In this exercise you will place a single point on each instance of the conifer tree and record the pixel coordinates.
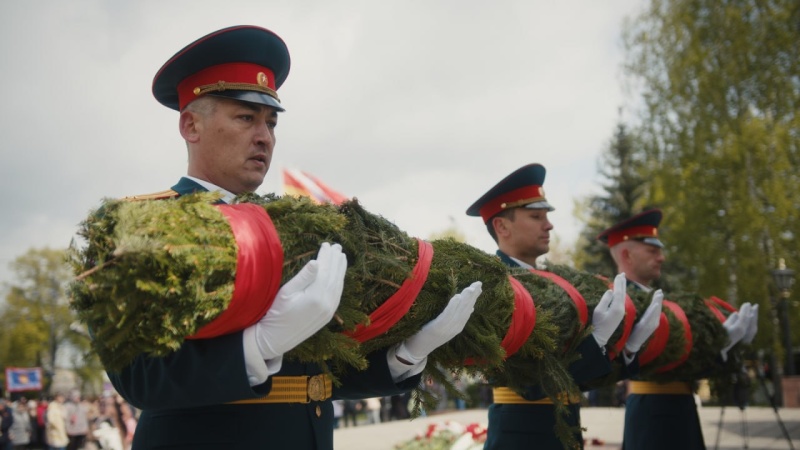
(624, 185)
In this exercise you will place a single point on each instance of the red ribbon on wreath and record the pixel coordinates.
(657, 342)
(259, 264)
(577, 298)
(396, 306)
(687, 332)
(523, 321)
(712, 303)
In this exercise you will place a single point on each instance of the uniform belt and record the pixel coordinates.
(504, 395)
(298, 389)
(648, 387)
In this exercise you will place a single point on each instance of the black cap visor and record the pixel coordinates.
(256, 97)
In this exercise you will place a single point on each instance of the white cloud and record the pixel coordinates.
(416, 107)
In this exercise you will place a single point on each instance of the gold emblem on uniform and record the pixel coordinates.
(262, 79)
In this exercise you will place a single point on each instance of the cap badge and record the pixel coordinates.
(262, 79)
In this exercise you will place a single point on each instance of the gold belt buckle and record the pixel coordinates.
(316, 388)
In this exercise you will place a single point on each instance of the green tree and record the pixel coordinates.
(720, 89)
(624, 183)
(37, 318)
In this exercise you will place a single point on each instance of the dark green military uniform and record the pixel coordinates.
(531, 426)
(655, 421)
(183, 396)
(662, 422)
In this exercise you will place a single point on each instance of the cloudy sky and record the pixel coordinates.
(415, 107)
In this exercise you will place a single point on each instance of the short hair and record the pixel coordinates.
(204, 106)
(507, 214)
(615, 251)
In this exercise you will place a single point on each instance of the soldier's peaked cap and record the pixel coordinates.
(244, 62)
(521, 189)
(642, 227)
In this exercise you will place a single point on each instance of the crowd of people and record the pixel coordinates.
(67, 422)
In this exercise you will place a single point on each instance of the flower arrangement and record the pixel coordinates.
(447, 435)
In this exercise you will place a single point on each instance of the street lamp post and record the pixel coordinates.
(784, 278)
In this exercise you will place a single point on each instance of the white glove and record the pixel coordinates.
(444, 327)
(646, 325)
(736, 325)
(304, 304)
(752, 327)
(610, 311)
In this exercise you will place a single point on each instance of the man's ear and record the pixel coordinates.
(625, 254)
(190, 125)
(500, 226)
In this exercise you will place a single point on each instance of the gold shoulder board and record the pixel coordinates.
(169, 193)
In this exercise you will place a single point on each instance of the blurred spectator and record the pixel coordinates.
(107, 436)
(35, 442)
(127, 422)
(21, 427)
(372, 406)
(386, 406)
(399, 410)
(56, 424)
(77, 421)
(105, 430)
(6, 421)
(351, 410)
(338, 411)
(461, 386)
(41, 415)
(621, 392)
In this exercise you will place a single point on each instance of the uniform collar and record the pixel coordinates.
(640, 286)
(189, 185)
(513, 262)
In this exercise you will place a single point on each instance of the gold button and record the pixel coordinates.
(319, 411)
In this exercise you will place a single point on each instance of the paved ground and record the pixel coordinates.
(762, 428)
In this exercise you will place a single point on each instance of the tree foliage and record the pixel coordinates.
(37, 318)
(720, 91)
(622, 167)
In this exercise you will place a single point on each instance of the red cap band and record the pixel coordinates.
(240, 75)
(511, 199)
(641, 231)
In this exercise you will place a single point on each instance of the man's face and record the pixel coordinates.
(233, 144)
(645, 262)
(528, 233)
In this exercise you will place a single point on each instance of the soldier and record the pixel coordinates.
(661, 415)
(515, 213)
(236, 391)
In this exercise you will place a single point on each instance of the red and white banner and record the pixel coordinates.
(299, 183)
